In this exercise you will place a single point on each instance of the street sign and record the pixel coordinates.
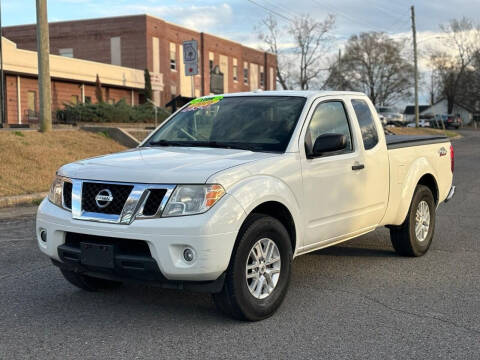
(190, 57)
(191, 69)
(190, 51)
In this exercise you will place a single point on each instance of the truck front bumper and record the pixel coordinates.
(211, 236)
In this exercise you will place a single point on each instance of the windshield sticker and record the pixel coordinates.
(202, 103)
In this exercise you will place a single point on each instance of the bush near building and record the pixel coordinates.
(119, 112)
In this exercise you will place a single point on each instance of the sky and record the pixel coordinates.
(237, 19)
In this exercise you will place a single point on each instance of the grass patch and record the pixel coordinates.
(28, 163)
(421, 131)
(19, 133)
(36, 202)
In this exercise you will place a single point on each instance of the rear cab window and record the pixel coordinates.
(366, 122)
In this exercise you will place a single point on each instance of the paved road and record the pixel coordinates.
(358, 300)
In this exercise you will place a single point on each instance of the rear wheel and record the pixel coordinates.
(88, 283)
(259, 272)
(414, 236)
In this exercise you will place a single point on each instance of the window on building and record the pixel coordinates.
(271, 79)
(329, 118)
(173, 90)
(88, 99)
(245, 73)
(173, 56)
(235, 69)
(74, 99)
(156, 54)
(67, 52)
(211, 58)
(262, 77)
(116, 51)
(367, 125)
(32, 101)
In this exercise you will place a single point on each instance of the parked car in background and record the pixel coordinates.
(448, 120)
(421, 123)
(389, 116)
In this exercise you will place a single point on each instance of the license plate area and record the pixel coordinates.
(98, 255)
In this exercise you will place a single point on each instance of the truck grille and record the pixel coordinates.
(119, 193)
(153, 201)
(67, 194)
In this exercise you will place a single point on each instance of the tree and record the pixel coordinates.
(373, 63)
(147, 92)
(457, 68)
(299, 64)
(98, 90)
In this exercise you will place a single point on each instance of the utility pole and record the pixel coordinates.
(414, 31)
(43, 50)
(3, 120)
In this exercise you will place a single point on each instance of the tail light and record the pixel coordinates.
(452, 158)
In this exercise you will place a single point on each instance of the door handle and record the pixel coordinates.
(358, 167)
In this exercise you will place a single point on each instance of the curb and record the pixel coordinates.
(8, 201)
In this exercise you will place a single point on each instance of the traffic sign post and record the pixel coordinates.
(190, 60)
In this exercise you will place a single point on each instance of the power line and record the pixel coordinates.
(271, 11)
(283, 8)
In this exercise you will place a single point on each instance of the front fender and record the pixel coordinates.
(254, 191)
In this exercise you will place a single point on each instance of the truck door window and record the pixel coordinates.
(367, 125)
(329, 118)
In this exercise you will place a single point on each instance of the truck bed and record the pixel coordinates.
(401, 141)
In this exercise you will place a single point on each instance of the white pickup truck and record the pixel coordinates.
(230, 189)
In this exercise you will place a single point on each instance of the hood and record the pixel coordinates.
(163, 165)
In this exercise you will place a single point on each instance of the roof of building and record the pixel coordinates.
(410, 109)
(139, 16)
(21, 61)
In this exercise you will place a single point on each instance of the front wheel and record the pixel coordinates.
(414, 236)
(259, 271)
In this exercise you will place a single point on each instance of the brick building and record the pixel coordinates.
(144, 41)
(73, 81)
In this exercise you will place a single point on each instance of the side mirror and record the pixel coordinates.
(328, 143)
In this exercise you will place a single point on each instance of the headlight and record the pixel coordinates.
(192, 199)
(56, 191)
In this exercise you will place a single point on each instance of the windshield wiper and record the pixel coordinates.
(225, 145)
(163, 142)
(211, 144)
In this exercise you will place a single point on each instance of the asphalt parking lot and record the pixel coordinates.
(357, 300)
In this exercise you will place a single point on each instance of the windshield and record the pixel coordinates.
(256, 123)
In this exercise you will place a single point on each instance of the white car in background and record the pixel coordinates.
(421, 123)
(388, 116)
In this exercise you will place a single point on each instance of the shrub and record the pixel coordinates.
(119, 112)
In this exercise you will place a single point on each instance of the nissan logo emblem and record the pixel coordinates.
(104, 198)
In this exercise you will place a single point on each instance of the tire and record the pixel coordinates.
(237, 298)
(88, 283)
(405, 240)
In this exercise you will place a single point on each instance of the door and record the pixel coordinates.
(375, 178)
(333, 193)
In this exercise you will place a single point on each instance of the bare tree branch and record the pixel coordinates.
(299, 64)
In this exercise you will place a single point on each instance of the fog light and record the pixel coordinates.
(188, 254)
(43, 235)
